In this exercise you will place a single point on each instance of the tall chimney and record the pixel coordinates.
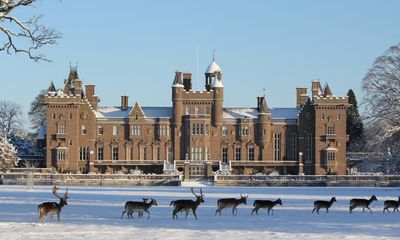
(124, 103)
(301, 96)
(187, 81)
(259, 103)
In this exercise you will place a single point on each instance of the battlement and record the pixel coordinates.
(321, 100)
(198, 94)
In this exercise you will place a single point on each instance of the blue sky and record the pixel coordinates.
(134, 47)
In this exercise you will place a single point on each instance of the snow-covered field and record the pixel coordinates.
(94, 213)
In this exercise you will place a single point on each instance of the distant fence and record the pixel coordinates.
(219, 180)
(308, 180)
(90, 179)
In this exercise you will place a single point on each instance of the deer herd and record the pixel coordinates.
(189, 205)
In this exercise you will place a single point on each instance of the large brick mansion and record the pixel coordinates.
(309, 138)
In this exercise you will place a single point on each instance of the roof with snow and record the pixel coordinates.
(166, 112)
(277, 113)
(149, 112)
(213, 67)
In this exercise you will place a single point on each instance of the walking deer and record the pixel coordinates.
(391, 204)
(265, 204)
(187, 205)
(52, 207)
(364, 203)
(323, 204)
(140, 207)
(230, 203)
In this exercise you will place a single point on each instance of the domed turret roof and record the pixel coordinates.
(213, 67)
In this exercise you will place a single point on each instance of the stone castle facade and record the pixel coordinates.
(197, 129)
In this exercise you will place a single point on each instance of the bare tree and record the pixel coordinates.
(24, 35)
(10, 117)
(382, 87)
(37, 112)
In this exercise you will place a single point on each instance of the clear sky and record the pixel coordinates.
(134, 47)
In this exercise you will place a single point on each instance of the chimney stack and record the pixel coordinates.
(124, 103)
(259, 102)
(187, 81)
(301, 96)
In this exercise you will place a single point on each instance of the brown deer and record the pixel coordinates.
(230, 203)
(52, 207)
(364, 203)
(187, 205)
(140, 207)
(265, 204)
(391, 204)
(323, 204)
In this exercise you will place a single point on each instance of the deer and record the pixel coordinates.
(323, 204)
(364, 203)
(46, 208)
(265, 204)
(391, 204)
(230, 203)
(140, 207)
(187, 204)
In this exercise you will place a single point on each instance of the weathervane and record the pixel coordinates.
(264, 92)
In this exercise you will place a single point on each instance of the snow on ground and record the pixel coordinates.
(94, 213)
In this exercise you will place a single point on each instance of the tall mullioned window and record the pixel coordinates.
(224, 154)
(330, 129)
(251, 154)
(114, 153)
(136, 130)
(277, 146)
(292, 148)
(61, 128)
(308, 146)
(100, 153)
(84, 153)
(62, 155)
(238, 153)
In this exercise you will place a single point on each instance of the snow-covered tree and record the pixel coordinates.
(37, 112)
(23, 35)
(8, 154)
(24, 142)
(382, 87)
(10, 117)
(355, 126)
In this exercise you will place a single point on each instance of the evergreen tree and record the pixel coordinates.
(8, 154)
(355, 126)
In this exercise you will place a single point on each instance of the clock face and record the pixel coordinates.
(84, 115)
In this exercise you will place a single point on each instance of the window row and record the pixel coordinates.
(188, 110)
(199, 129)
(237, 154)
(323, 117)
(142, 153)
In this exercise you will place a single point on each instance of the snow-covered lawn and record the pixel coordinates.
(94, 213)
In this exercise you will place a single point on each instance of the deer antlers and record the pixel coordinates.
(201, 192)
(54, 191)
